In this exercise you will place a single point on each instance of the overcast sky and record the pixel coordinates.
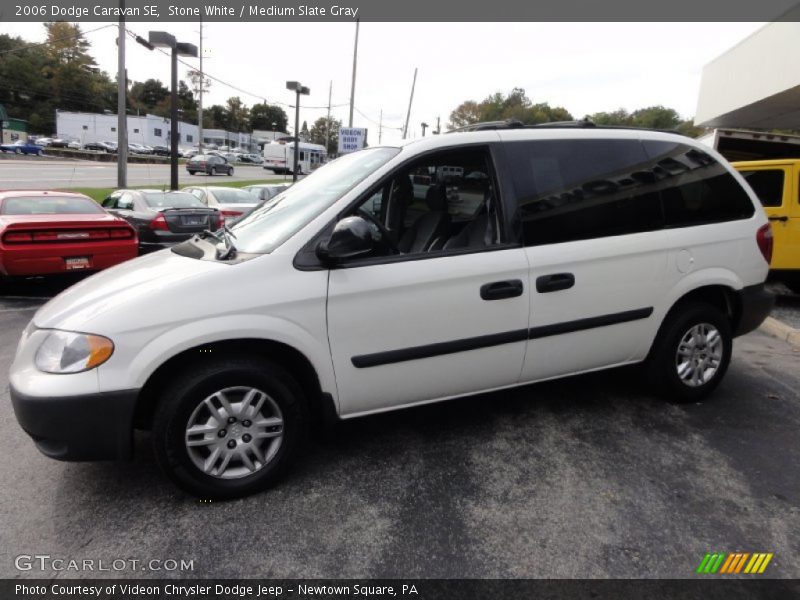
(584, 67)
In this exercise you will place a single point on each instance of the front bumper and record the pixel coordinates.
(87, 427)
(756, 304)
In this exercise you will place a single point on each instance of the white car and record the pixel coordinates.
(231, 202)
(351, 294)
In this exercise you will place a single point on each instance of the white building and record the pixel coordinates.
(142, 129)
(755, 84)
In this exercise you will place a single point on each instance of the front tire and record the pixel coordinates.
(691, 353)
(192, 172)
(230, 427)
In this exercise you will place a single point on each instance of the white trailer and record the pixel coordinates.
(279, 157)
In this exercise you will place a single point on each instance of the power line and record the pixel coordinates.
(237, 88)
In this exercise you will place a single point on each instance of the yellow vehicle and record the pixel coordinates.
(777, 185)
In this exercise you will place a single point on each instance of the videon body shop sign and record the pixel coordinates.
(351, 139)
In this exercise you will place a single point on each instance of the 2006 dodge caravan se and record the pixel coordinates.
(376, 284)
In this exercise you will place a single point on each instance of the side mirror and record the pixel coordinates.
(351, 237)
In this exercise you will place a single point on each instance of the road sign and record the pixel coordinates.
(351, 139)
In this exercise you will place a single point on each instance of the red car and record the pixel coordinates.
(43, 233)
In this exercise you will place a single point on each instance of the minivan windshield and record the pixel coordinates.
(270, 225)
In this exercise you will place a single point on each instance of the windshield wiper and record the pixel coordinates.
(225, 247)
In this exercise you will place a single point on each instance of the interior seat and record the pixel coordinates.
(478, 233)
(430, 229)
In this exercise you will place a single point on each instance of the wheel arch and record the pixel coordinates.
(719, 295)
(320, 404)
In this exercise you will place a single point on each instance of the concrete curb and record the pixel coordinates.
(781, 330)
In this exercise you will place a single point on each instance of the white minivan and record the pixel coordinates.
(358, 290)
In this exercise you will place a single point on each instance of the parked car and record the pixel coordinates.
(208, 164)
(161, 150)
(255, 159)
(100, 147)
(73, 145)
(354, 295)
(43, 141)
(139, 148)
(231, 202)
(775, 184)
(59, 143)
(42, 233)
(266, 191)
(162, 218)
(189, 152)
(23, 147)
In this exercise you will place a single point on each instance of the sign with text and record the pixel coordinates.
(351, 139)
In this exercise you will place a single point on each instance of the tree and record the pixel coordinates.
(215, 117)
(148, 96)
(187, 105)
(262, 116)
(318, 132)
(499, 107)
(237, 114)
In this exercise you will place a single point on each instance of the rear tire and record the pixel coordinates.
(275, 415)
(192, 172)
(691, 353)
(230, 172)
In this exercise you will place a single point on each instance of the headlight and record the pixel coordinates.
(68, 352)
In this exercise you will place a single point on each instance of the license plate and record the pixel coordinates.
(77, 263)
(193, 220)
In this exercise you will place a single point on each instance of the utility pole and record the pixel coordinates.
(410, 100)
(424, 127)
(438, 126)
(353, 80)
(200, 99)
(328, 122)
(380, 127)
(122, 91)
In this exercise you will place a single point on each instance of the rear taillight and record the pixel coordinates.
(764, 241)
(121, 234)
(17, 238)
(159, 223)
(219, 222)
(231, 213)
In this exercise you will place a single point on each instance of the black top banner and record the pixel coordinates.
(400, 10)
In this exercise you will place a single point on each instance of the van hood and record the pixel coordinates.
(135, 283)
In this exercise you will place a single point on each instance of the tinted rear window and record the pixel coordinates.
(767, 184)
(172, 200)
(695, 188)
(571, 190)
(49, 205)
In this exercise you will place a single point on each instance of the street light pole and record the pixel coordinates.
(167, 40)
(122, 114)
(298, 89)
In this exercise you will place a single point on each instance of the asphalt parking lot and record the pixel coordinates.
(585, 477)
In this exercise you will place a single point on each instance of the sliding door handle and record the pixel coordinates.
(554, 282)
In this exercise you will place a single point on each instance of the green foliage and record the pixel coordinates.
(651, 117)
(237, 114)
(318, 133)
(35, 80)
(262, 116)
(499, 107)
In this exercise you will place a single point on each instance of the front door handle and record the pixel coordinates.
(782, 218)
(500, 290)
(554, 282)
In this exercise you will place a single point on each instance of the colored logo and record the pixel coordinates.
(723, 563)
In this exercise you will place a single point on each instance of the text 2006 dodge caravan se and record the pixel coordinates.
(391, 277)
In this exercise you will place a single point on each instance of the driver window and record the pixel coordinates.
(443, 201)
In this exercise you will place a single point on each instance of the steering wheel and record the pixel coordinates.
(386, 237)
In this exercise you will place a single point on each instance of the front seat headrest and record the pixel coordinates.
(436, 198)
